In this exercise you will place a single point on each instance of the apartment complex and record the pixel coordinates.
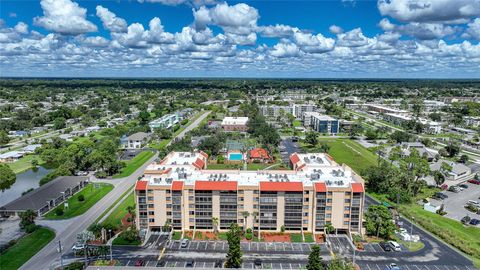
(235, 124)
(275, 110)
(299, 109)
(181, 191)
(166, 121)
(321, 123)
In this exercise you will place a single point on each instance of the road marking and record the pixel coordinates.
(161, 254)
(283, 246)
(214, 245)
(206, 245)
(223, 246)
(456, 267)
(468, 267)
(290, 266)
(416, 266)
(127, 263)
(436, 267)
(406, 266)
(378, 266)
(426, 267)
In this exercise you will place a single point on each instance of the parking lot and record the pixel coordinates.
(245, 265)
(375, 247)
(454, 204)
(373, 266)
(253, 247)
(341, 244)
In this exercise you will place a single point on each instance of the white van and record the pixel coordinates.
(472, 202)
(395, 246)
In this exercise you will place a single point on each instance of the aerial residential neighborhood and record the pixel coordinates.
(202, 134)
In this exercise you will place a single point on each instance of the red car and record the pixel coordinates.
(139, 263)
(473, 181)
(444, 187)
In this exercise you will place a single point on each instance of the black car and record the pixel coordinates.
(463, 185)
(257, 263)
(385, 246)
(474, 222)
(466, 219)
(441, 195)
(218, 264)
(190, 263)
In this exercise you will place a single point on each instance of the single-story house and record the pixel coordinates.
(458, 169)
(30, 149)
(137, 140)
(260, 155)
(11, 156)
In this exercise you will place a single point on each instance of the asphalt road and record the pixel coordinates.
(67, 234)
(191, 126)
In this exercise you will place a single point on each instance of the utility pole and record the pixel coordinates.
(85, 250)
(111, 256)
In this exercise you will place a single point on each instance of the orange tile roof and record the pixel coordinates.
(320, 187)
(199, 163)
(294, 158)
(204, 154)
(177, 185)
(281, 186)
(141, 185)
(259, 153)
(357, 187)
(216, 185)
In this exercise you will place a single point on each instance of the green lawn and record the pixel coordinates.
(25, 163)
(309, 238)
(412, 246)
(349, 152)
(119, 241)
(25, 248)
(177, 235)
(75, 207)
(465, 238)
(115, 218)
(296, 237)
(135, 163)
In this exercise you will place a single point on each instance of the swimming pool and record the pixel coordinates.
(235, 156)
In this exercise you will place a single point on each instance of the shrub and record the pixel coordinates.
(101, 174)
(184, 122)
(249, 236)
(30, 228)
(75, 266)
(59, 211)
(249, 230)
(81, 198)
(282, 229)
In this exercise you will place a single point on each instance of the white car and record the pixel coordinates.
(78, 247)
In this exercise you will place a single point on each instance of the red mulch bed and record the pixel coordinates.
(188, 234)
(209, 236)
(125, 222)
(275, 237)
(319, 238)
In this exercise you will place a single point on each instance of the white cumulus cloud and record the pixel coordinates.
(111, 21)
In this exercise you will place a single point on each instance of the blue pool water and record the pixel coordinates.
(235, 156)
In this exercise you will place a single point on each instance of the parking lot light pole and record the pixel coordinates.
(411, 232)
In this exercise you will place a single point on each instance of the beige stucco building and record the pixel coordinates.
(181, 191)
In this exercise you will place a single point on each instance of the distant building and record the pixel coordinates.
(299, 109)
(29, 149)
(459, 170)
(473, 121)
(385, 109)
(321, 123)
(10, 157)
(275, 110)
(137, 140)
(166, 121)
(235, 124)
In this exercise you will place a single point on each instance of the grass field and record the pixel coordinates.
(25, 163)
(177, 235)
(75, 207)
(25, 248)
(349, 152)
(296, 237)
(465, 238)
(115, 218)
(135, 163)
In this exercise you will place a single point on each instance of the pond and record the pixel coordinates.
(25, 181)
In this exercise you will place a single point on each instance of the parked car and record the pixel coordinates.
(444, 187)
(472, 202)
(218, 264)
(454, 189)
(385, 246)
(474, 222)
(474, 181)
(395, 246)
(393, 266)
(184, 243)
(463, 186)
(441, 196)
(139, 263)
(78, 247)
(190, 263)
(465, 219)
(257, 263)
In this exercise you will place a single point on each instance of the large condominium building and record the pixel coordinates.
(385, 109)
(321, 123)
(166, 121)
(181, 191)
(275, 110)
(299, 109)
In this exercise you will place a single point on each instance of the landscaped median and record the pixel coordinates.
(81, 201)
(135, 163)
(25, 248)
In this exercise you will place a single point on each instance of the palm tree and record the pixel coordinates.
(245, 215)
(255, 215)
(215, 224)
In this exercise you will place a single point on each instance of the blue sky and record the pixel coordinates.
(196, 38)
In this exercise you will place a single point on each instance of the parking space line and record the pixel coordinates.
(426, 267)
(368, 266)
(290, 266)
(378, 266)
(456, 267)
(417, 267)
(406, 266)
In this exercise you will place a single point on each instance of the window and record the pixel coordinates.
(190, 198)
(306, 199)
(306, 192)
(169, 213)
(168, 191)
(345, 223)
(191, 212)
(347, 200)
(347, 208)
(305, 214)
(329, 215)
(169, 205)
(191, 206)
(191, 220)
(151, 220)
(240, 192)
(328, 208)
(150, 205)
(255, 191)
(347, 193)
(150, 191)
(329, 193)
(241, 199)
(151, 213)
(346, 215)
(240, 221)
(168, 199)
(305, 222)
(190, 191)
(150, 198)
(329, 200)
